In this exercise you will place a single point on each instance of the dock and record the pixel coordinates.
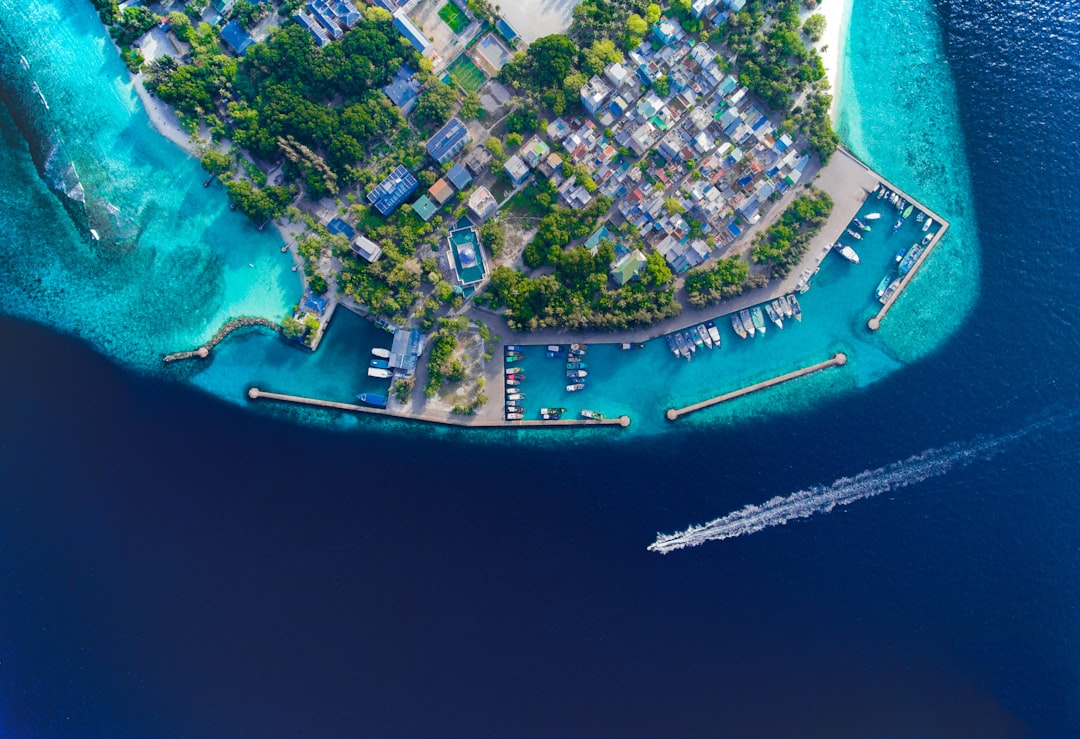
(257, 394)
(204, 351)
(875, 323)
(839, 360)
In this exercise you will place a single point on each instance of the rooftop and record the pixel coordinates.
(468, 261)
(448, 140)
(392, 191)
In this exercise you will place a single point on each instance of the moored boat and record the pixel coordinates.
(737, 326)
(553, 355)
(795, 307)
(513, 370)
(513, 348)
(853, 234)
(591, 415)
(901, 252)
(549, 416)
(671, 345)
(927, 224)
(783, 307)
(511, 358)
(515, 395)
(803, 285)
(380, 373)
(847, 253)
(758, 319)
(515, 416)
(553, 411)
(907, 211)
(872, 216)
(554, 348)
(579, 348)
(512, 382)
(380, 353)
(380, 363)
(882, 286)
(704, 334)
(576, 374)
(714, 333)
(691, 344)
(680, 342)
(770, 311)
(372, 399)
(747, 322)
(928, 238)
(891, 290)
(860, 225)
(576, 365)
(909, 260)
(510, 403)
(574, 387)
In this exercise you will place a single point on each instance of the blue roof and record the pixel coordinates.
(236, 37)
(338, 226)
(459, 176)
(411, 33)
(403, 91)
(315, 303)
(392, 191)
(506, 30)
(442, 144)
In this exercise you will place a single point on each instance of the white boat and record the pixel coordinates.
(770, 311)
(854, 234)
(848, 253)
(515, 396)
(872, 216)
(795, 307)
(514, 370)
(737, 325)
(928, 238)
(554, 348)
(783, 307)
(515, 416)
(890, 291)
(803, 285)
(382, 374)
(380, 353)
(714, 333)
(927, 224)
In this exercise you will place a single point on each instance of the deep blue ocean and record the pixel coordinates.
(173, 565)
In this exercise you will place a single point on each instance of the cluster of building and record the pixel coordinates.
(327, 20)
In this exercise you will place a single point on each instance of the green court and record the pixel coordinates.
(466, 74)
(453, 17)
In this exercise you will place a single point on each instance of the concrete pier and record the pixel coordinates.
(464, 422)
(204, 351)
(839, 360)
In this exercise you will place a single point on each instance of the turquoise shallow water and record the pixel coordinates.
(190, 268)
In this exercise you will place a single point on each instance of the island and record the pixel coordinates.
(658, 172)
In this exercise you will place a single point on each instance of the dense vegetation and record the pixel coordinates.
(784, 243)
(725, 279)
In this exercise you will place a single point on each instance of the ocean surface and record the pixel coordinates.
(176, 565)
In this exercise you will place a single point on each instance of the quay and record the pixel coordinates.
(837, 361)
(257, 394)
(875, 323)
(204, 351)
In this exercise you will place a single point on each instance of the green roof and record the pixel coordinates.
(424, 207)
(628, 267)
(470, 269)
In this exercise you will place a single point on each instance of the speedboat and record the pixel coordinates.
(380, 363)
(770, 311)
(513, 348)
(576, 374)
(926, 239)
(694, 336)
(380, 373)
(579, 348)
(553, 355)
(513, 357)
(380, 353)
(554, 348)
(872, 216)
(747, 322)
(515, 396)
(927, 224)
(684, 349)
(549, 416)
(513, 382)
(901, 252)
(737, 325)
(515, 416)
(758, 318)
(513, 370)
(795, 307)
(860, 225)
(847, 253)
(783, 307)
(574, 387)
(714, 333)
(690, 343)
(372, 399)
(853, 234)
(882, 286)
(576, 365)
(704, 334)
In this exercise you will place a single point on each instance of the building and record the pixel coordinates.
(467, 260)
(406, 349)
(448, 141)
(477, 160)
(594, 93)
(483, 204)
(534, 151)
(392, 191)
(628, 267)
(424, 208)
(617, 75)
(440, 192)
(223, 7)
(312, 26)
(459, 177)
(236, 38)
(366, 248)
(516, 169)
(552, 163)
(412, 34)
(404, 90)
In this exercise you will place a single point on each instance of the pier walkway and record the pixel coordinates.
(463, 422)
(839, 360)
(204, 351)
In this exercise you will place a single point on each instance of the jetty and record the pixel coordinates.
(839, 360)
(875, 323)
(204, 351)
(257, 394)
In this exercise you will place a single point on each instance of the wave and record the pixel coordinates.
(824, 498)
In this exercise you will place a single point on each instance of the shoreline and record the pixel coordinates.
(837, 18)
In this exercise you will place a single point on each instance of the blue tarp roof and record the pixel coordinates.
(236, 37)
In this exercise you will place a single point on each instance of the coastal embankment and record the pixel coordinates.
(204, 351)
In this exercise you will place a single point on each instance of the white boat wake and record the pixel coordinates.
(846, 490)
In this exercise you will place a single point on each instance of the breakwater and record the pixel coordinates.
(204, 351)
(875, 323)
(839, 360)
(447, 420)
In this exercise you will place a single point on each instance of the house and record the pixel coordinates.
(406, 349)
(321, 13)
(617, 75)
(223, 7)
(236, 38)
(448, 141)
(404, 90)
(628, 267)
(424, 208)
(551, 164)
(482, 204)
(534, 151)
(312, 26)
(516, 169)
(594, 93)
(366, 248)
(392, 191)
(412, 34)
(441, 191)
(477, 160)
(459, 177)
(666, 31)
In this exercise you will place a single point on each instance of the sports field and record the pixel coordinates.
(466, 74)
(453, 17)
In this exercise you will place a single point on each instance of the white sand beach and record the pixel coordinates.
(837, 14)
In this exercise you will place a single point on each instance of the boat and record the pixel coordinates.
(695, 336)
(926, 239)
(770, 311)
(847, 253)
(553, 355)
(909, 261)
(872, 216)
(554, 348)
(380, 373)
(854, 234)
(627, 346)
(511, 358)
(927, 224)
(860, 225)
(511, 403)
(891, 290)
(795, 307)
(690, 343)
(907, 211)
(513, 382)
(372, 399)
(513, 370)
(544, 416)
(380, 363)
(882, 286)
(576, 374)
(576, 365)
(517, 416)
(737, 325)
(553, 411)
(920, 216)
(747, 322)
(671, 345)
(574, 387)
(592, 415)
(704, 334)
(680, 342)
(901, 252)
(515, 395)
(803, 285)
(519, 377)
(579, 348)
(380, 353)
(758, 319)
(513, 348)
(714, 333)
(783, 307)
